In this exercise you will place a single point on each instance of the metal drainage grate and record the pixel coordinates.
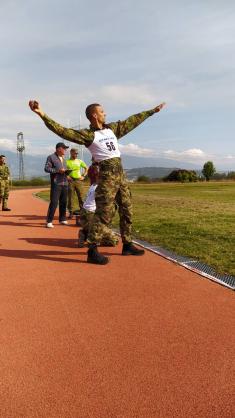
(193, 265)
(207, 271)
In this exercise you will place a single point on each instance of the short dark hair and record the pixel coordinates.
(90, 109)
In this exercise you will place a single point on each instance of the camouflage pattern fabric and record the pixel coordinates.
(75, 190)
(4, 184)
(86, 136)
(108, 238)
(112, 184)
(4, 172)
(4, 192)
(112, 187)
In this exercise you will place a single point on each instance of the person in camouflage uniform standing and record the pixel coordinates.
(101, 140)
(4, 183)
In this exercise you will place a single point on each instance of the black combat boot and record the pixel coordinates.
(4, 205)
(129, 249)
(94, 257)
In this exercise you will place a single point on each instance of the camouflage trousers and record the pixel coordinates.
(75, 191)
(109, 238)
(112, 188)
(4, 192)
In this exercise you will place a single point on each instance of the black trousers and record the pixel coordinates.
(59, 194)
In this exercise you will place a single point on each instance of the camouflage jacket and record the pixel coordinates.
(4, 172)
(86, 136)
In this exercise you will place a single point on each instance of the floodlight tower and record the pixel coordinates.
(20, 154)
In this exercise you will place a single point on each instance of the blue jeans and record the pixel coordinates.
(59, 194)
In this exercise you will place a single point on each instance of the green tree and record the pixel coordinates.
(208, 170)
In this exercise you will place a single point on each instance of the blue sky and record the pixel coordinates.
(128, 56)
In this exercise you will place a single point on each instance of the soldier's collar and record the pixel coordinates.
(93, 128)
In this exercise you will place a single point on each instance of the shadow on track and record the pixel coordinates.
(52, 242)
(61, 242)
(41, 255)
(31, 225)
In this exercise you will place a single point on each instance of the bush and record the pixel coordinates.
(143, 179)
(36, 181)
(183, 176)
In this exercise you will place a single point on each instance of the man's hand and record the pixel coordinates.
(61, 170)
(35, 107)
(159, 107)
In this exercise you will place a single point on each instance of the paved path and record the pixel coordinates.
(138, 338)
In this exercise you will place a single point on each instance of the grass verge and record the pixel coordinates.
(194, 220)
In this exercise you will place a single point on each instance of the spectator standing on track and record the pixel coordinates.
(77, 175)
(4, 183)
(101, 139)
(56, 166)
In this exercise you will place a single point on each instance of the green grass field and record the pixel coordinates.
(195, 220)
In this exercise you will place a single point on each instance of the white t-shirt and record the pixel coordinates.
(105, 145)
(89, 203)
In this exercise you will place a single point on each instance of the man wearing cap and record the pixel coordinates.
(4, 183)
(56, 166)
(76, 176)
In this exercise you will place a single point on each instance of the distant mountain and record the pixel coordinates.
(151, 172)
(33, 164)
(133, 162)
(151, 167)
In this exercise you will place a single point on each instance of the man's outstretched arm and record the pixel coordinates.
(82, 137)
(122, 128)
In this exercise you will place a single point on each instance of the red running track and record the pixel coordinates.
(138, 338)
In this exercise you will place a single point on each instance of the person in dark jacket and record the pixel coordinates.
(56, 166)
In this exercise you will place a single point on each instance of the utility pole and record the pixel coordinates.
(20, 154)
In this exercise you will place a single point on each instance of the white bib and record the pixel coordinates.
(104, 146)
(89, 203)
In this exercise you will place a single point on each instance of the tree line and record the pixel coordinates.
(185, 176)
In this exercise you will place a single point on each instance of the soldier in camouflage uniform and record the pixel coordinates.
(102, 141)
(4, 183)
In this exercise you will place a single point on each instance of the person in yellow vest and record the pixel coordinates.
(78, 171)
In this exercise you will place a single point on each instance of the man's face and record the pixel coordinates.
(99, 114)
(60, 151)
(2, 160)
(74, 154)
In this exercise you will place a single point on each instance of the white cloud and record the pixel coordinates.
(7, 144)
(135, 150)
(128, 94)
(194, 153)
